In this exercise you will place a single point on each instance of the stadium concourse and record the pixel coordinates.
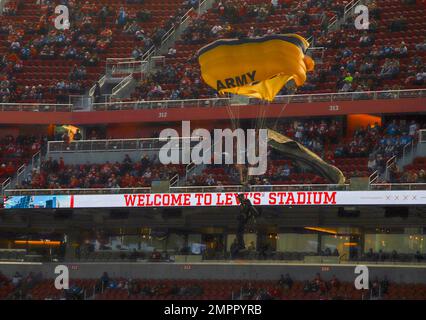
(81, 111)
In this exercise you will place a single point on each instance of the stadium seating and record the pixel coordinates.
(346, 65)
(413, 173)
(16, 151)
(6, 287)
(45, 289)
(192, 289)
(256, 290)
(34, 77)
(358, 155)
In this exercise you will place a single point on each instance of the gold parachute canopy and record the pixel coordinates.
(257, 67)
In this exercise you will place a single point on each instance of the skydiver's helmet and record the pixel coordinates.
(241, 197)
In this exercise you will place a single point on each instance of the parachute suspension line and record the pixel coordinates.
(259, 123)
(279, 116)
(232, 117)
(281, 111)
(235, 124)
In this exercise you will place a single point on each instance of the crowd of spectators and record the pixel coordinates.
(15, 151)
(135, 287)
(183, 81)
(352, 62)
(385, 66)
(375, 143)
(389, 141)
(55, 174)
(366, 150)
(41, 40)
(86, 40)
(33, 286)
(24, 284)
(369, 68)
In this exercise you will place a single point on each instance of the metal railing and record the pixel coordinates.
(405, 151)
(221, 102)
(179, 189)
(351, 5)
(5, 184)
(174, 180)
(113, 145)
(122, 84)
(103, 145)
(261, 188)
(19, 174)
(390, 163)
(347, 96)
(398, 186)
(373, 178)
(317, 53)
(153, 50)
(80, 102)
(161, 104)
(422, 136)
(298, 98)
(27, 192)
(119, 68)
(334, 20)
(36, 107)
(222, 188)
(188, 169)
(101, 82)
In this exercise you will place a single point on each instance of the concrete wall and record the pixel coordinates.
(240, 270)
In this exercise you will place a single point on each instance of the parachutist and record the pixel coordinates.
(247, 212)
(247, 209)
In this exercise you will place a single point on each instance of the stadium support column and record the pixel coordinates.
(72, 245)
(319, 243)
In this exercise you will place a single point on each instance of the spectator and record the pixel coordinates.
(104, 280)
(286, 282)
(17, 279)
(78, 136)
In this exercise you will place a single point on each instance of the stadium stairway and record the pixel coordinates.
(169, 41)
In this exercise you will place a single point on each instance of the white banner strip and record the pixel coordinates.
(297, 198)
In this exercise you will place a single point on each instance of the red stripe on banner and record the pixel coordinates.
(72, 201)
